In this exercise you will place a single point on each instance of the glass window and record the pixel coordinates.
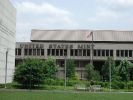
(25, 51)
(71, 52)
(53, 52)
(30, 52)
(34, 52)
(61, 52)
(95, 53)
(84, 52)
(65, 52)
(16, 51)
(117, 53)
(126, 53)
(79, 52)
(99, 53)
(48, 52)
(107, 53)
(42, 52)
(130, 53)
(19, 51)
(122, 53)
(76, 52)
(103, 53)
(38, 52)
(57, 52)
(111, 53)
(88, 52)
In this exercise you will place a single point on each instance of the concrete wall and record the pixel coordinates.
(7, 39)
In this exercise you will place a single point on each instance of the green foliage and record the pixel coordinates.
(30, 73)
(123, 70)
(50, 68)
(70, 69)
(106, 68)
(91, 73)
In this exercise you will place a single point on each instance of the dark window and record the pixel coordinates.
(117, 53)
(30, 52)
(88, 52)
(122, 53)
(15, 51)
(19, 51)
(99, 53)
(76, 52)
(25, 51)
(65, 52)
(34, 52)
(103, 53)
(79, 52)
(38, 52)
(48, 52)
(84, 52)
(61, 52)
(53, 52)
(95, 53)
(57, 52)
(130, 53)
(111, 53)
(42, 52)
(71, 52)
(126, 53)
(107, 53)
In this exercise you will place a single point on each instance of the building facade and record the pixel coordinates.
(7, 40)
(77, 45)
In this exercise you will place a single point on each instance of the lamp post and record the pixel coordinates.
(6, 68)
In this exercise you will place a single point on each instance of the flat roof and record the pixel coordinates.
(82, 35)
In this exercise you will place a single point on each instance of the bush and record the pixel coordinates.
(118, 85)
(130, 85)
(72, 82)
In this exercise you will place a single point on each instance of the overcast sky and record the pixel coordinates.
(72, 14)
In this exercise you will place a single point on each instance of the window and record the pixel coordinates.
(79, 52)
(48, 52)
(26, 52)
(99, 53)
(57, 52)
(15, 51)
(42, 52)
(38, 52)
(61, 52)
(111, 53)
(107, 53)
(30, 52)
(76, 52)
(71, 52)
(126, 53)
(65, 52)
(84, 52)
(103, 52)
(88, 52)
(95, 53)
(19, 51)
(130, 53)
(53, 52)
(117, 53)
(34, 52)
(122, 53)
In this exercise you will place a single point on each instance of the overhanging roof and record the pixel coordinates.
(81, 35)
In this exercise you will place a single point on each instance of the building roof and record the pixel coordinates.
(81, 35)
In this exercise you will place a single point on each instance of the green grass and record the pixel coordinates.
(52, 95)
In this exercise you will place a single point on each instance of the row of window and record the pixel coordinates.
(74, 52)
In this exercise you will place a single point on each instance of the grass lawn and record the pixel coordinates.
(51, 95)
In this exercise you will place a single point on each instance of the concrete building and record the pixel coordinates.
(7, 40)
(77, 45)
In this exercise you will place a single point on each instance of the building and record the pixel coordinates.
(7, 40)
(77, 45)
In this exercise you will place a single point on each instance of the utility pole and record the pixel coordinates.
(6, 68)
(110, 76)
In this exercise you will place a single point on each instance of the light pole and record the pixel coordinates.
(6, 68)
(110, 76)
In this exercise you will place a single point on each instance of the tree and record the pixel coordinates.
(124, 70)
(106, 68)
(50, 68)
(70, 68)
(91, 73)
(30, 73)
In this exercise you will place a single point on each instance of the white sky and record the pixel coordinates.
(72, 14)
